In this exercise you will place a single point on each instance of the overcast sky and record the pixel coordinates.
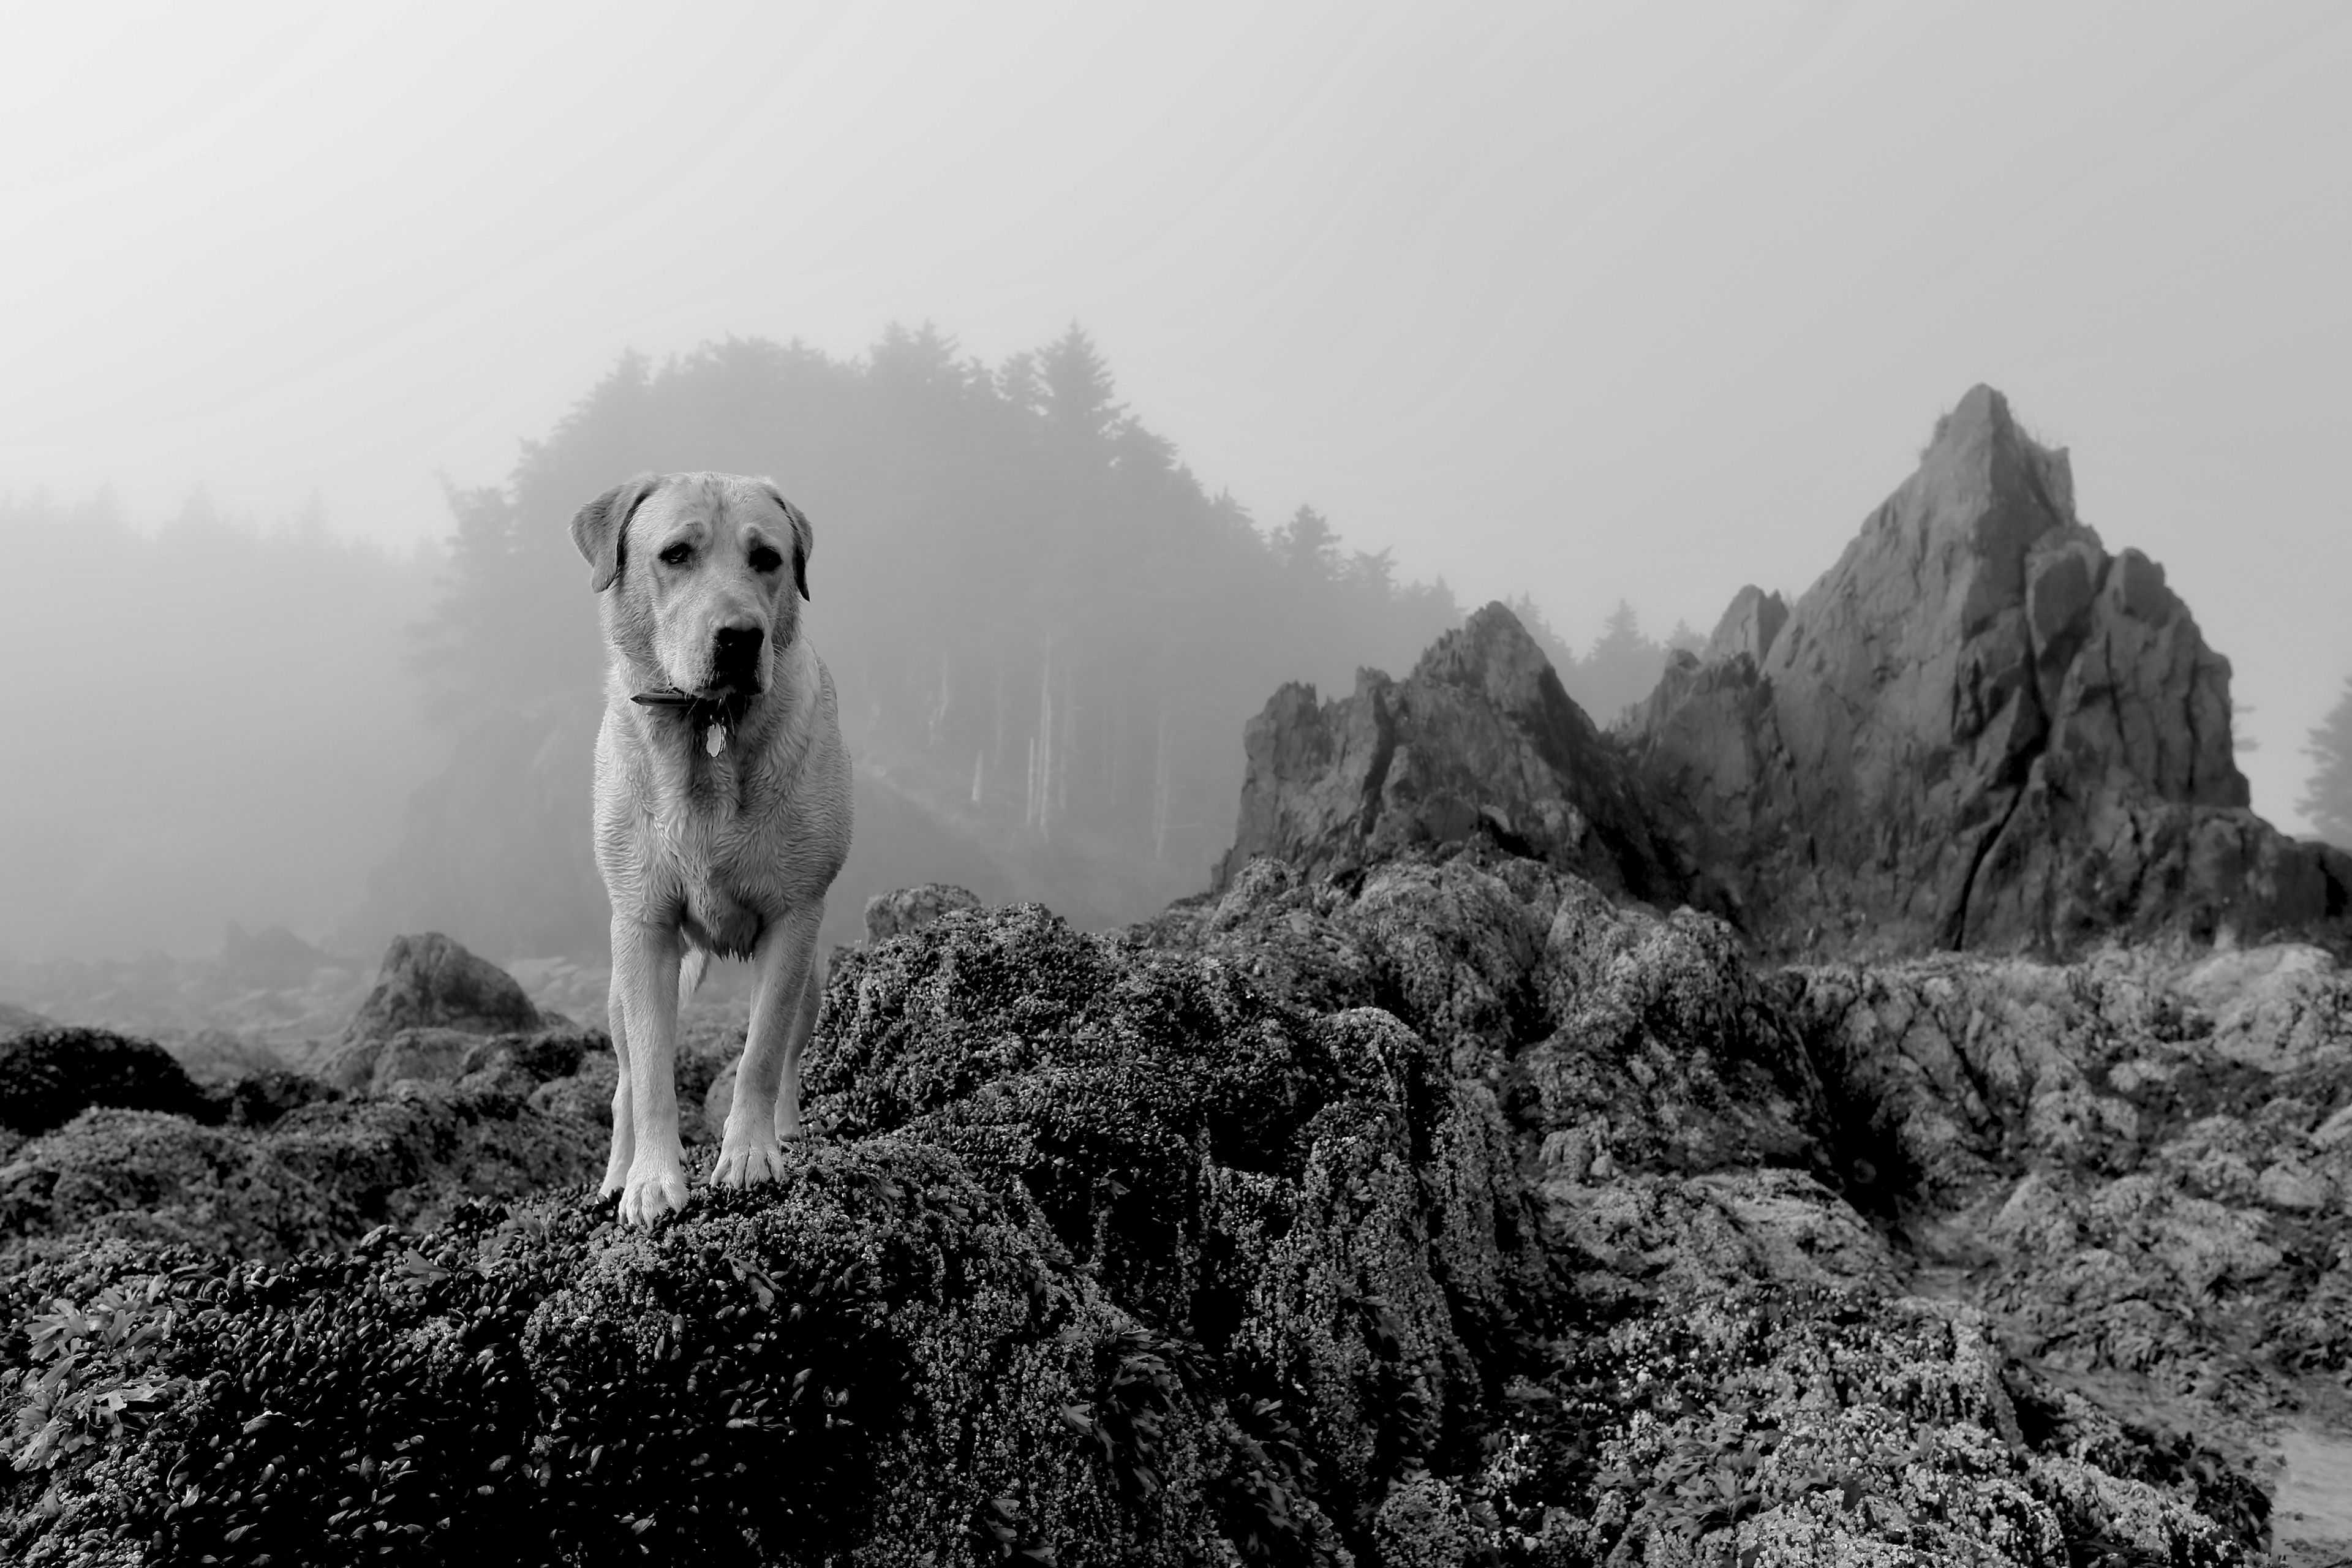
(1648, 300)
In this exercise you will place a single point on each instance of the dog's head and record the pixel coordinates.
(705, 574)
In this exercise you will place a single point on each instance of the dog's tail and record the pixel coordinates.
(690, 971)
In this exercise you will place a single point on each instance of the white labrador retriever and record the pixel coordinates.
(723, 805)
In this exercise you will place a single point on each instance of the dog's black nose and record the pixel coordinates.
(735, 657)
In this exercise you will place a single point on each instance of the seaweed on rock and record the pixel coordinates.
(875, 1361)
(1447, 1214)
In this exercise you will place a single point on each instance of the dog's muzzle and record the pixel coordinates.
(735, 659)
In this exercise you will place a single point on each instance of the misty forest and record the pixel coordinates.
(1046, 635)
(1257, 1021)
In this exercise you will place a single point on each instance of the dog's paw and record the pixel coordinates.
(651, 1193)
(617, 1179)
(746, 1164)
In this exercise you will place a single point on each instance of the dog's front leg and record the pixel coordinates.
(623, 1152)
(748, 1151)
(803, 1024)
(645, 965)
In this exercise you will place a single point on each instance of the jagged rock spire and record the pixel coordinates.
(1479, 741)
(1978, 728)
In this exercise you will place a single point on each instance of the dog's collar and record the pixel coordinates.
(713, 718)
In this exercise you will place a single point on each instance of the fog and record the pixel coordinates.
(1574, 304)
(214, 722)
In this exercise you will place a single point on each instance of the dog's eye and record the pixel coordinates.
(676, 553)
(765, 560)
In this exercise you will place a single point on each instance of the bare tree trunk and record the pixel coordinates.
(939, 714)
(1045, 785)
(1071, 713)
(1162, 765)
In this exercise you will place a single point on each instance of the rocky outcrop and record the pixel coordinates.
(1980, 729)
(1442, 1214)
(432, 1002)
(1480, 740)
(430, 983)
(2143, 1166)
(881, 1361)
(909, 909)
(294, 1169)
(1450, 1213)
(48, 1076)
(408, 1123)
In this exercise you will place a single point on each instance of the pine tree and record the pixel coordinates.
(1307, 545)
(1043, 629)
(1077, 386)
(1621, 668)
(2328, 803)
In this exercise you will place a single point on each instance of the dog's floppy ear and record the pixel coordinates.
(598, 527)
(803, 537)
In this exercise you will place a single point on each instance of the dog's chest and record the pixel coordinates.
(719, 907)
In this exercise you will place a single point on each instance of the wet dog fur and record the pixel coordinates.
(702, 578)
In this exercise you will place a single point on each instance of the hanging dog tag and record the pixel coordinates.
(715, 742)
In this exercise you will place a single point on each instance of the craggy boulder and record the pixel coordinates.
(909, 910)
(2142, 1164)
(429, 982)
(1479, 740)
(1440, 1213)
(48, 1075)
(429, 999)
(1981, 729)
(878, 1361)
(1319, 1202)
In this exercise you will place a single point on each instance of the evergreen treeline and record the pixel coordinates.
(1047, 637)
(211, 722)
(1620, 668)
(2327, 798)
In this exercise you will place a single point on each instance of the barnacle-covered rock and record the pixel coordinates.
(48, 1075)
(1318, 1201)
(878, 1361)
(142, 1173)
(2132, 1156)
(1445, 1212)
(261, 1098)
(1784, 1425)
(907, 909)
(319, 1175)
(409, 1157)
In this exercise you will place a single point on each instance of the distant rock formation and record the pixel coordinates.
(1980, 729)
(1479, 741)
(433, 1001)
(909, 909)
(430, 983)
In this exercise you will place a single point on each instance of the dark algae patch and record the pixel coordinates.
(1444, 1214)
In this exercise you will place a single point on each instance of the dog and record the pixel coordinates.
(722, 808)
